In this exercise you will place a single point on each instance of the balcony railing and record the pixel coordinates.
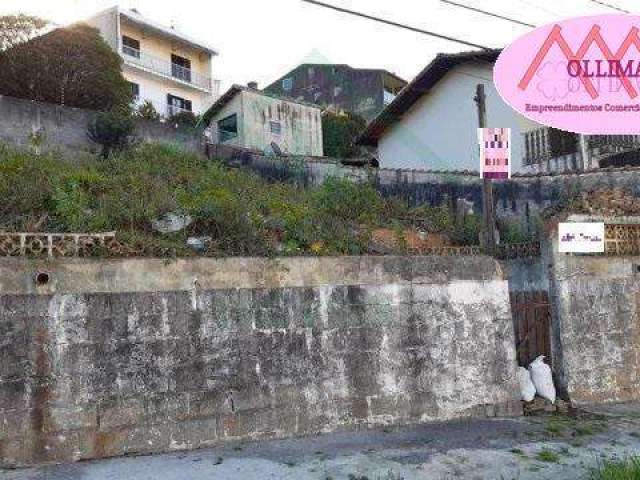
(168, 69)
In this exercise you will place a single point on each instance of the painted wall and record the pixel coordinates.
(439, 131)
(301, 125)
(141, 356)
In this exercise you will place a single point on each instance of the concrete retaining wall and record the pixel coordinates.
(140, 356)
(66, 127)
(597, 327)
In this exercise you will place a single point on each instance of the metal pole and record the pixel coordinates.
(488, 212)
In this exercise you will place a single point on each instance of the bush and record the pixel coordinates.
(112, 130)
(147, 111)
(71, 66)
(184, 120)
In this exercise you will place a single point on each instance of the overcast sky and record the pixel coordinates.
(262, 39)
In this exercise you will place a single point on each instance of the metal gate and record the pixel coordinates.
(532, 324)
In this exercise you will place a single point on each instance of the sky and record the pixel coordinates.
(261, 40)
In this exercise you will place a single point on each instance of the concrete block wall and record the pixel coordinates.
(140, 356)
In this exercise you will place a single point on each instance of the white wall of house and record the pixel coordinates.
(440, 129)
(296, 128)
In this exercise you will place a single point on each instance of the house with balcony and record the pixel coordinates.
(164, 66)
(341, 88)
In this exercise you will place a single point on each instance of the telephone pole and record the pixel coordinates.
(488, 239)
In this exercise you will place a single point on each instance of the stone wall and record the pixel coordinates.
(104, 358)
(66, 127)
(596, 329)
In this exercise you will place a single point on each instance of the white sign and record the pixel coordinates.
(581, 237)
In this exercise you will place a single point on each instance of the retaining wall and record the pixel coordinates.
(138, 356)
(66, 127)
(596, 327)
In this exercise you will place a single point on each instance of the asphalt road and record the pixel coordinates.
(477, 449)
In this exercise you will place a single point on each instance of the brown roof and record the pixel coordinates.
(418, 87)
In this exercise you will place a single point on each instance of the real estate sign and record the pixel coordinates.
(581, 237)
(495, 153)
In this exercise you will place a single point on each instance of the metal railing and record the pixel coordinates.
(545, 143)
(167, 68)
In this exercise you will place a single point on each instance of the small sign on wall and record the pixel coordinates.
(581, 237)
(495, 153)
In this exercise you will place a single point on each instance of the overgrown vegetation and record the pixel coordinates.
(627, 469)
(237, 212)
(339, 133)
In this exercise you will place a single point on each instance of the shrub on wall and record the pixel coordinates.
(70, 66)
(147, 111)
(112, 131)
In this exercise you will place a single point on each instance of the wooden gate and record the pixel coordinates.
(532, 324)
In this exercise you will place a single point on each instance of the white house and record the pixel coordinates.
(246, 117)
(432, 124)
(164, 66)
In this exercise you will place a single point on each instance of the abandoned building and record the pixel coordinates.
(247, 118)
(364, 91)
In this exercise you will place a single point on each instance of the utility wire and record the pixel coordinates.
(395, 24)
(608, 5)
(489, 14)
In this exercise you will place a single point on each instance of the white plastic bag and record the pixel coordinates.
(542, 379)
(527, 388)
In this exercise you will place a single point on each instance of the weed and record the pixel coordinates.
(548, 456)
(584, 430)
(627, 469)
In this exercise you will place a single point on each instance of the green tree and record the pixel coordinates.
(16, 29)
(69, 66)
(339, 133)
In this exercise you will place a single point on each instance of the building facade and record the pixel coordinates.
(246, 118)
(432, 125)
(163, 66)
(340, 87)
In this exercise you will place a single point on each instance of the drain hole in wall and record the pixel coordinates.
(42, 279)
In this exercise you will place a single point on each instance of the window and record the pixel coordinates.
(177, 105)
(287, 84)
(135, 91)
(228, 128)
(181, 68)
(276, 127)
(131, 46)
